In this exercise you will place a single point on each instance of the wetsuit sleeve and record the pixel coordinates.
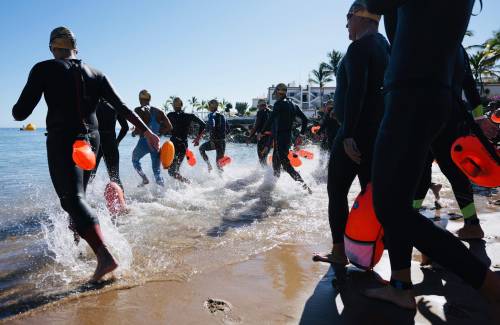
(109, 94)
(164, 121)
(258, 126)
(198, 121)
(381, 7)
(303, 117)
(30, 96)
(123, 128)
(356, 66)
(469, 86)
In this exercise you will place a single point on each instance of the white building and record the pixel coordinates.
(308, 98)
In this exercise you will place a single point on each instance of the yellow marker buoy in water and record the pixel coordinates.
(29, 127)
(167, 154)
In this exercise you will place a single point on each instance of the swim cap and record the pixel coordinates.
(280, 86)
(62, 38)
(144, 94)
(360, 9)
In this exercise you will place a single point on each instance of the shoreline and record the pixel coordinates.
(282, 286)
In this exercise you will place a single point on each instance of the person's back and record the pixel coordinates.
(72, 90)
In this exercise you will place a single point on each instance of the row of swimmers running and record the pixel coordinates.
(178, 125)
(83, 109)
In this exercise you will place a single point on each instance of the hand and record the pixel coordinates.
(153, 140)
(352, 151)
(489, 128)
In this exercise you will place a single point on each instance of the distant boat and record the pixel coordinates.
(29, 127)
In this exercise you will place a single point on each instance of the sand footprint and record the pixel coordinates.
(221, 309)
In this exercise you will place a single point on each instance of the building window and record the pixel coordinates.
(304, 97)
(291, 94)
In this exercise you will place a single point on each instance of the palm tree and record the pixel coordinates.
(334, 58)
(169, 103)
(483, 63)
(321, 77)
(193, 102)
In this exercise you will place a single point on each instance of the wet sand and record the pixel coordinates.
(283, 286)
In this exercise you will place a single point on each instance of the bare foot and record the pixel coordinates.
(209, 168)
(337, 256)
(402, 298)
(470, 232)
(106, 263)
(145, 182)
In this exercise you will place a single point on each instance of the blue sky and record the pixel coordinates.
(232, 49)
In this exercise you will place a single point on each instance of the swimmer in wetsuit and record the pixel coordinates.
(418, 102)
(359, 106)
(265, 143)
(72, 90)
(181, 123)
(218, 128)
(329, 127)
(107, 118)
(158, 122)
(455, 127)
(281, 122)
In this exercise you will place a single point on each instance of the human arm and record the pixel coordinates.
(30, 95)
(109, 94)
(123, 128)
(201, 130)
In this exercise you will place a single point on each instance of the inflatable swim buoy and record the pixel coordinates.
(495, 116)
(167, 154)
(315, 129)
(294, 159)
(224, 161)
(191, 158)
(115, 201)
(470, 155)
(363, 237)
(83, 156)
(306, 154)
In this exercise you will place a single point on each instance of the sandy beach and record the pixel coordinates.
(283, 286)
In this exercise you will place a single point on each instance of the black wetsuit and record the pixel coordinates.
(180, 128)
(107, 118)
(418, 104)
(72, 90)
(218, 128)
(282, 118)
(329, 126)
(266, 141)
(359, 106)
(454, 128)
